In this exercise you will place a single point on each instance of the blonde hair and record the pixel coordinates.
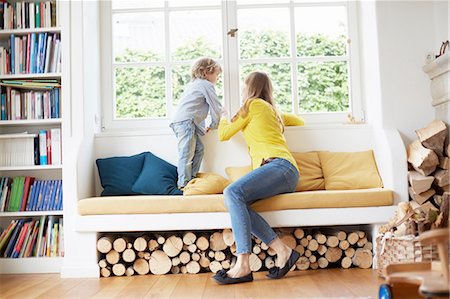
(204, 66)
(258, 86)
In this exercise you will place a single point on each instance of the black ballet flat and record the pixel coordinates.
(277, 273)
(221, 277)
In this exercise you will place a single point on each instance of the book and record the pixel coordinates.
(48, 54)
(12, 195)
(56, 196)
(56, 146)
(41, 195)
(43, 147)
(3, 106)
(49, 234)
(5, 192)
(32, 68)
(34, 200)
(60, 199)
(13, 240)
(40, 236)
(12, 53)
(6, 230)
(5, 240)
(48, 134)
(26, 191)
(38, 15)
(21, 239)
(31, 244)
(19, 195)
(27, 238)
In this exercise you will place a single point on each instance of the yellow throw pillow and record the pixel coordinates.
(206, 183)
(311, 175)
(350, 170)
(234, 173)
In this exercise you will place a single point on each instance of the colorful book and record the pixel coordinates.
(31, 244)
(40, 236)
(8, 234)
(43, 147)
(26, 191)
(14, 237)
(36, 196)
(20, 240)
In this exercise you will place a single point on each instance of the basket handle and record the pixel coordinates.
(401, 221)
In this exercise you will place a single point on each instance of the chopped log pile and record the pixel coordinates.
(200, 251)
(428, 178)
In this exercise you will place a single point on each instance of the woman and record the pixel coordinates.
(274, 172)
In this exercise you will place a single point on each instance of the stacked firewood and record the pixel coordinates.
(428, 176)
(195, 252)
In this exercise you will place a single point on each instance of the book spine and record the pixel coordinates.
(49, 147)
(43, 147)
(12, 52)
(56, 146)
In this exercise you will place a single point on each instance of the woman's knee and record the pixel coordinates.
(232, 194)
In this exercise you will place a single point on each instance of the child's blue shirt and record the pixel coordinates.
(197, 100)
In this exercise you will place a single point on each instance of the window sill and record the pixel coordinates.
(168, 131)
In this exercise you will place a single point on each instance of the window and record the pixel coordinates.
(304, 46)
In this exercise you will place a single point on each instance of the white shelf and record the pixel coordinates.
(31, 265)
(31, 76)
(30, 122)
(30, 167)
(30, 213)
(7, 32)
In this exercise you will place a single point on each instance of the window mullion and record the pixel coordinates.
(294, 67)
(233, 59)
(168, 59)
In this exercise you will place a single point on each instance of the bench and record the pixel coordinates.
(372, 207)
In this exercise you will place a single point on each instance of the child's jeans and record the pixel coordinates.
(190, 151)
(276, 177)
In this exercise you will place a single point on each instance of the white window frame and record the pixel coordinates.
(231, 62)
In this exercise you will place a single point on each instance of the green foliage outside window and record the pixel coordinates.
(322, 86)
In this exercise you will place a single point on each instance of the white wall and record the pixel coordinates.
(396, 36)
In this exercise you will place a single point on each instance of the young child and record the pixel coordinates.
(188, 124)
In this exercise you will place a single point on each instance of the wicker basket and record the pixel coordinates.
(398, 250)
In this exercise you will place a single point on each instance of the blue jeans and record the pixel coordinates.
(276, 177)
(190, 151)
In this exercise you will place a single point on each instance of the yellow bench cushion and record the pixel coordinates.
(163, 204)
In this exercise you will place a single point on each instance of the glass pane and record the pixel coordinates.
(321, 31)
(127, 4)
(140, 92)
(181, 76)
(195, 34)
(194, 2)
(138, 37)
(280, 74)
(323, 87)
(263, 32)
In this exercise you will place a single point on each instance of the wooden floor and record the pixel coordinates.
(337, 283)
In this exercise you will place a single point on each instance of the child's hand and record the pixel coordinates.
(224, 113)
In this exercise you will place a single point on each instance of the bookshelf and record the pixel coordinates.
(31, 84)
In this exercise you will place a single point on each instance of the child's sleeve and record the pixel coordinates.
(228, 130)
(290, 119)
(215, 107)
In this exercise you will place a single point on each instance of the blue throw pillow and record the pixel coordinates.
(158, 177)
(118, 174)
